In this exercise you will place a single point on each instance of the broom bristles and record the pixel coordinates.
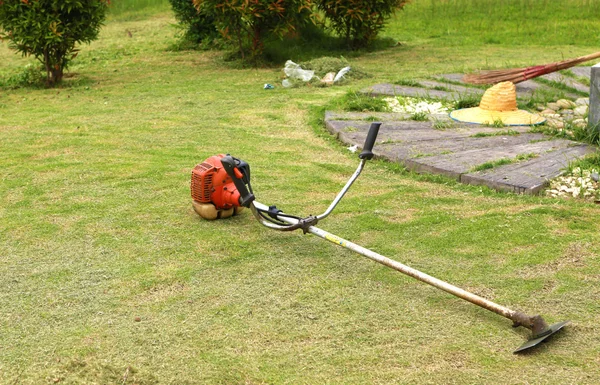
(517, 75)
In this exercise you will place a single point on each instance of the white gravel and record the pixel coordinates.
(577, 184)
(415, 105)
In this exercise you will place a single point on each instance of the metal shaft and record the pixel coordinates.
(344, 190)
(519, 318)
(438, 283)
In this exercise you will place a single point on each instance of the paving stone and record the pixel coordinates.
(455, 151)
(462, 90)
(594, 114)
(528, 177)
(456, 164)
(354, 132)
(524, 89)
(453, 77)
(528, 87)
(442, 146)
(386, 89)
(379, 116)
(569, 82)
(583, 71)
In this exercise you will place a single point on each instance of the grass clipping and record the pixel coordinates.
(323, 68)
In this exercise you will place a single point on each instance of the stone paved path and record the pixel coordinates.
(526, 89)
(454, 149)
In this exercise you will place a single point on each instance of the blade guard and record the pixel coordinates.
(541, 336)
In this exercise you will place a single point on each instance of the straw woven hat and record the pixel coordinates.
(498, 103)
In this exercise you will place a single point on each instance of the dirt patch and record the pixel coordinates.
(574, 256)
(54, 154)
(484, 292)
(11, 128)
(161, 293)
(92, 372)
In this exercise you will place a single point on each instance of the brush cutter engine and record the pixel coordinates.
(215, 193)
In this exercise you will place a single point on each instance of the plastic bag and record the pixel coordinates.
(294, 71)
(341, 74)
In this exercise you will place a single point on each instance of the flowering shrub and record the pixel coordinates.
(49, 30)
(197, 26)
(359, 21)
(249, 22)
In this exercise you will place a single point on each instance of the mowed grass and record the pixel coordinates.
(108, 276)
(507, 22)
(136, 9)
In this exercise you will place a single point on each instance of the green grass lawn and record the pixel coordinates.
(109, 277)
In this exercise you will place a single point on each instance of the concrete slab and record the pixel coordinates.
(453, 92)
(377, 116)
(453, 77)
(594, 109)
(528, 177)
(380, 116)
(443, 146)
(456, 164)
(529, 87)
(463, 90)
(455, 150)
(355, 132)
(524, 89)
(386, 89)
(582, 71)
(569, 82)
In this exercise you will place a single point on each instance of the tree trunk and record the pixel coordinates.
(348, 43)
(55, 76)
(257, 44)
(238, 33)
(54, 73)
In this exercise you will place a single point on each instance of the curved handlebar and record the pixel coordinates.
(259, 210)
(367, 152)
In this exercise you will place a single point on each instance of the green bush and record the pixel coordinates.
(28, 76)
(198, 26)
(49, 29)
(248, 23)
(359, 21)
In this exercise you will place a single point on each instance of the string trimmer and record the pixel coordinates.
(221, 187)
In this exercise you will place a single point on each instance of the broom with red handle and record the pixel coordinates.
(517, 75)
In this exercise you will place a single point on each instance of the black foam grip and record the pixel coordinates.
(367, 152)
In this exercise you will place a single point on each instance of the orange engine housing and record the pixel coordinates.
(211, 184)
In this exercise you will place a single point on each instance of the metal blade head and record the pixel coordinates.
(535, 340)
